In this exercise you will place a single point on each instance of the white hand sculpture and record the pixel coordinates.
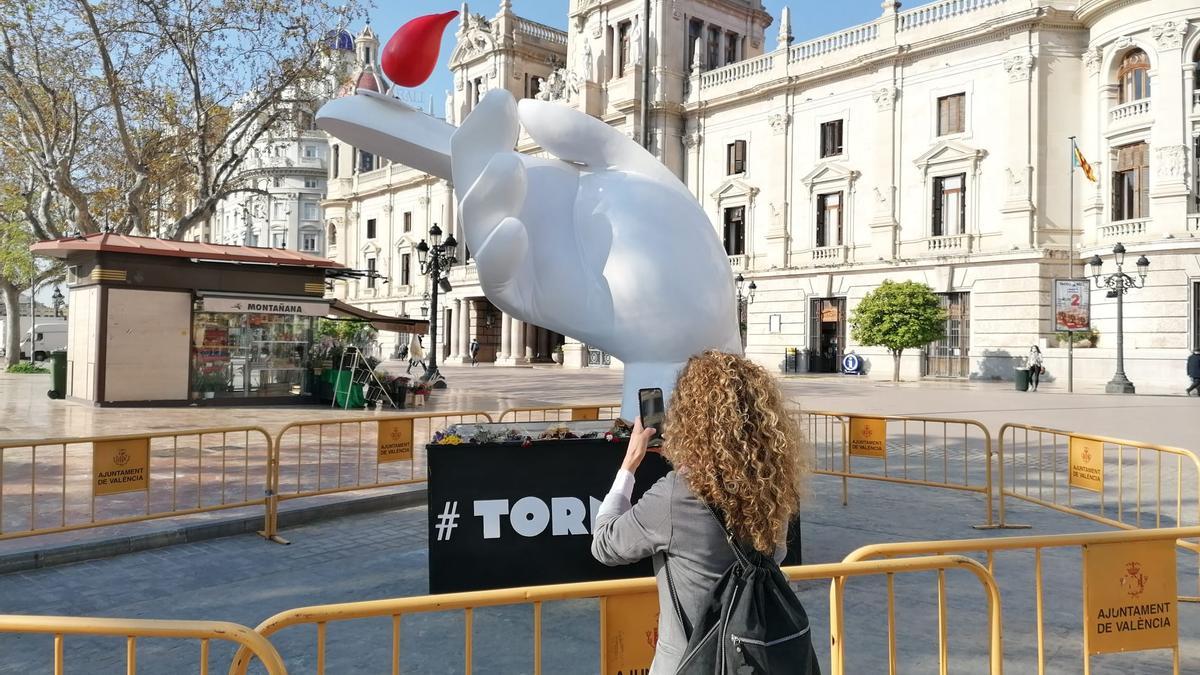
(603, 244)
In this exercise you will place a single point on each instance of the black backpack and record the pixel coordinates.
(753, 624)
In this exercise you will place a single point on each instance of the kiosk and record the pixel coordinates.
(155, 321)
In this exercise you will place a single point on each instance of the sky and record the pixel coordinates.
(808, 21)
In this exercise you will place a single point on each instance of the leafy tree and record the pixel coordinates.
(898, 316)
(137, 115)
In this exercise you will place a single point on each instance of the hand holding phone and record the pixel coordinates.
(654, 413)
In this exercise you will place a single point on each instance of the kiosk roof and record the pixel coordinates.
(122, 243)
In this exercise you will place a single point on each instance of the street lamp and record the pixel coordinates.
(743, 302)
(435, 261)
(57, 299)
(1118, 284)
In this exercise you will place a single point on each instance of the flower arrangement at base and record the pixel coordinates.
(446, 437)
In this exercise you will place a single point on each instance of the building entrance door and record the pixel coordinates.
(827, 334)
(950, 356)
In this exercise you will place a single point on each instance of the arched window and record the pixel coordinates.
(1134, 76)
(332, 234)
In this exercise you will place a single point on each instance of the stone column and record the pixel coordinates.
(464, 331)
(1168, 140)
(505, 335)
(452, 333)
(517, 351)
(1017, 209)
(883, 194)
(531, 333)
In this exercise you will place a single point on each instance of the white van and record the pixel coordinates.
(51, 337)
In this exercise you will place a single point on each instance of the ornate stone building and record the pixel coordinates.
(930, 144)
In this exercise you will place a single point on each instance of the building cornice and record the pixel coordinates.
(898, 55)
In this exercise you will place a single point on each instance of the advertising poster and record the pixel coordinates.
(1130, 597)
(1072, 305)
(120, 466)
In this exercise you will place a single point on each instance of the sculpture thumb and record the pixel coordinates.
(410, 55)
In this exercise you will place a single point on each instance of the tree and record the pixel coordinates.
(898, 316)
(136, 115)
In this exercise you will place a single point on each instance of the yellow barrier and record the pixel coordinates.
(353, 453)
(1075, 473)
(323, 615)
(60, 484)
(132, 629)
(562, 413)
(936, 452)
(1138, 538)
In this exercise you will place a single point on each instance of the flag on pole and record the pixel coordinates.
(1078, 160)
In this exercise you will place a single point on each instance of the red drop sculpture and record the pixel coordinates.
(409, 57)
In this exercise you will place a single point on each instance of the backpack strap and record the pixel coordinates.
(683, 620)
(738, 551)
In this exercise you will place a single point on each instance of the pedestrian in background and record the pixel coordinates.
(1193, 371)
(474, 349)
(416, 354)
(1035, 367)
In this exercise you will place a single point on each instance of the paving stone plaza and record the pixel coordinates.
(383, 553)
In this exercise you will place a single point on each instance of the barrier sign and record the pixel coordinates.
(1129, 597)
(585, 414)
(395, 441)
(1086, 464)
(1072, 304)
(120, 466)
(629, 633)
(868, 437)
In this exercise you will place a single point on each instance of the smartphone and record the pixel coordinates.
(654, 413)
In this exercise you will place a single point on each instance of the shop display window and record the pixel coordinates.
(236, 355)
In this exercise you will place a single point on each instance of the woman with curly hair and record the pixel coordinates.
(735, 449)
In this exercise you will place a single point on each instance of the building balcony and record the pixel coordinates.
(464, 274)
(1134, 228)
(824, 256)
(946, 245)
(625, 91)
(1134, 112)
(739, 263)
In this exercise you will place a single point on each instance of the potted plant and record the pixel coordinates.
(1081, 338)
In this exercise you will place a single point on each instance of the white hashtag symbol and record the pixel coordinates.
(447, 521)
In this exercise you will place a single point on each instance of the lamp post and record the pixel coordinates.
(57, 299)
(1118, 284)
(435, 261)
(743, 302)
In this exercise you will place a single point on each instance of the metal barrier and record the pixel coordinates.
(60, 484)
(1095, 476)
(395, 609)
(989, 547)
(562, 413)
(131, 629)
(936, 452)
(340, 454)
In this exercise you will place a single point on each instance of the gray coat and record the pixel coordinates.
(668, 518)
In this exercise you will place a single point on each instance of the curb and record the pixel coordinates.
(186, 534)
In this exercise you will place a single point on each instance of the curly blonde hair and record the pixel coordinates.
(728, 429)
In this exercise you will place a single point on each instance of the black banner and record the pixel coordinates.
(501, 515)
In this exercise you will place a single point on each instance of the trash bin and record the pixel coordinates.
(1021, 378)
(58, 374)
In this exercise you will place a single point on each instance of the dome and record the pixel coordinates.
(339, 40)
